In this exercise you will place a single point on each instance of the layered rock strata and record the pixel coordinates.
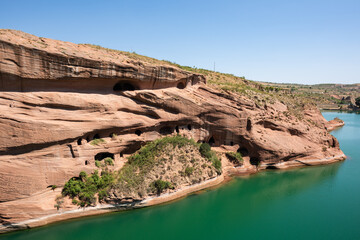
(56, 97)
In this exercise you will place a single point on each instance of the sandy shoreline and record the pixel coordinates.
(105, 208)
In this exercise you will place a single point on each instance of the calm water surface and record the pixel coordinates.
(308, 203)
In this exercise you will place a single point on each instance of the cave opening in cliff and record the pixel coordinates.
(189, 127)
(254, 161)
(231, 143)
(243, 150)
(212, 141)
(121, 155)
(102, 155)
(166, 130)
(271, 167)
(88, 139)
(87, 162)
(138, 132)
(177, 129)
(248, 125)
(180, 85)
(124, 86)
(79, 141)
(96, 136)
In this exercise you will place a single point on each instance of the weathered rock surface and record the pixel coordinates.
(56, 97)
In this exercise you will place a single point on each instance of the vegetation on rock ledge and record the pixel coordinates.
(165, 163)
(235, 157)
(85, 187)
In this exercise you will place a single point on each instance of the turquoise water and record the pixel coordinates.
(309, 203)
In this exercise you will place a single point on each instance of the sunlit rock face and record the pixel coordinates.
(57, 97)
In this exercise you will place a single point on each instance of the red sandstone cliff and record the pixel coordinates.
(57, 96)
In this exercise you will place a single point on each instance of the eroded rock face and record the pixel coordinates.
(29, 63)
(54, 103)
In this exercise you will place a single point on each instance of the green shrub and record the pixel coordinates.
(235, 157)
(210, 155)
(205, 150)
(85, 187)
(97, 141)
(53, 187)
(160, 185)
(97, 163)
(217, 164)
(103, 194)
(357, 101)
(83, 175)
(109, 161)
(75, 202)
(189, 171)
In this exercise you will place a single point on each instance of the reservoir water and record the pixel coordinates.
(308, 203)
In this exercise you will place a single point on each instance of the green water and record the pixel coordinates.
(308, 203)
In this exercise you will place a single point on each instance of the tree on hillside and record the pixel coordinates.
(357, 101)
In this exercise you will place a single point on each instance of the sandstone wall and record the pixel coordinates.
(56, 97)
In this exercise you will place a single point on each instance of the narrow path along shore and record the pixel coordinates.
(246, 169)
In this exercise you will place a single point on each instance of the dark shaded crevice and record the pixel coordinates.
(254, 161)
(71, 150)
(124, 86)
(166, 130)
(271, 167)
(243, 150)
(248, 125)
(13, 61)
(180, 85)
(102, 155)
(212, 141)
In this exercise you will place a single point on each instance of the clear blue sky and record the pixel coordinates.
(298, 41)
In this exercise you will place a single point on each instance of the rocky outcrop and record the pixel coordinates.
(57, 97)
(333, 124)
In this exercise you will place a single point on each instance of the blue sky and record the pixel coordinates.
(300, 41)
